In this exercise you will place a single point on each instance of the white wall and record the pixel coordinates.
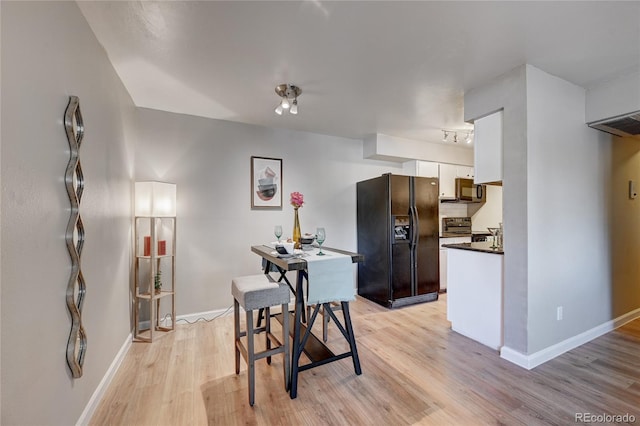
(508, 92)
(209, 161)
(568, 183)
(49, 53)
(489, 214)
(614, 96)
(391, 148)
(555, 204)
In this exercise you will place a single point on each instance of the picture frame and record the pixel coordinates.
(266, 183)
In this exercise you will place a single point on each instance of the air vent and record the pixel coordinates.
(623, 125)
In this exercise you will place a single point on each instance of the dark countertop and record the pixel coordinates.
(484, 247)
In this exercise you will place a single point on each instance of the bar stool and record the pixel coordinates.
(335, 306)
(260, 292)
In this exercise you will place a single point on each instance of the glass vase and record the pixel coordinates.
(296, 229)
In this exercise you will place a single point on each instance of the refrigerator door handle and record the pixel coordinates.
(412, 224)
(416, 229)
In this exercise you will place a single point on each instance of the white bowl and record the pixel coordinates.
(288, 247)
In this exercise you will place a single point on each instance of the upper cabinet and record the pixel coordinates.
(448, 174)
(420, 168)
(427, 169)
(464, 172)
(488, 148)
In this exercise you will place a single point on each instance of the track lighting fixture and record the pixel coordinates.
(449, 132)
(289, 98)
(469, 137)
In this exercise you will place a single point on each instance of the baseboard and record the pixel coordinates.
(547, 354)
(207, 315)
(95, 399)
(191, 318)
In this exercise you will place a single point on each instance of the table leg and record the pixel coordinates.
(352, 339)
(283, 276)
(296, 349)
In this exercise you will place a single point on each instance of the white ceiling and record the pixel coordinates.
(391, 67)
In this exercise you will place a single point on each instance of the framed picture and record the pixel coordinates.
(266, 183)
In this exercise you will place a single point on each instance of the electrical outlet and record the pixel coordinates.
(559, 313)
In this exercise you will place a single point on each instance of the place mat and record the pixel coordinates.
(330, 277)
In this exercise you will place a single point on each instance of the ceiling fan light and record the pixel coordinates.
(288, 94)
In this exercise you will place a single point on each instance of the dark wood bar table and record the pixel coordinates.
(303, 339)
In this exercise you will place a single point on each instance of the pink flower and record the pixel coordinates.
(297, 199)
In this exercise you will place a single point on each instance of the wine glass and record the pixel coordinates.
(277, 230)
(494, 237)
(320, 237)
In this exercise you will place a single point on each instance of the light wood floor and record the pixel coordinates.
(415, 371)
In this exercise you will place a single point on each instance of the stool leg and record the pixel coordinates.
(285, 341)
(251, 362)
(236, 328)
(267, 328)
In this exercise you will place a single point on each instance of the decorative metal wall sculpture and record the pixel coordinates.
(74, 237)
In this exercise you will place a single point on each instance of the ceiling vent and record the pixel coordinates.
(622, 125)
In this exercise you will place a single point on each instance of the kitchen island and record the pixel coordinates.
(474, 291)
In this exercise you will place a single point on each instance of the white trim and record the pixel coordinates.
(208, 315)
(547, 354)
(95, 399)
(628, 317)
(191, 318)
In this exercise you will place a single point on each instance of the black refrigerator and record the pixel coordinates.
(399, 236)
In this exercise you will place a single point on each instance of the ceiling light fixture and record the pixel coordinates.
(289, 98)
(469, 136)
(448, 132)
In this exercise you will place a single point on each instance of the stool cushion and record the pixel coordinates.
(258, 291)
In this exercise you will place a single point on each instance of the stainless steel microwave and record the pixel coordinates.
(468, 192)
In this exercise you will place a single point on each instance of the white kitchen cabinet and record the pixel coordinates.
(443, 257)
(420, 168)
(474, 296)
(443, 269)
(464, 172)
(487, 149)
(427, 169)
(448, 174)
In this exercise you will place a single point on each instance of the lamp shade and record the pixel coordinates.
(155, 199)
